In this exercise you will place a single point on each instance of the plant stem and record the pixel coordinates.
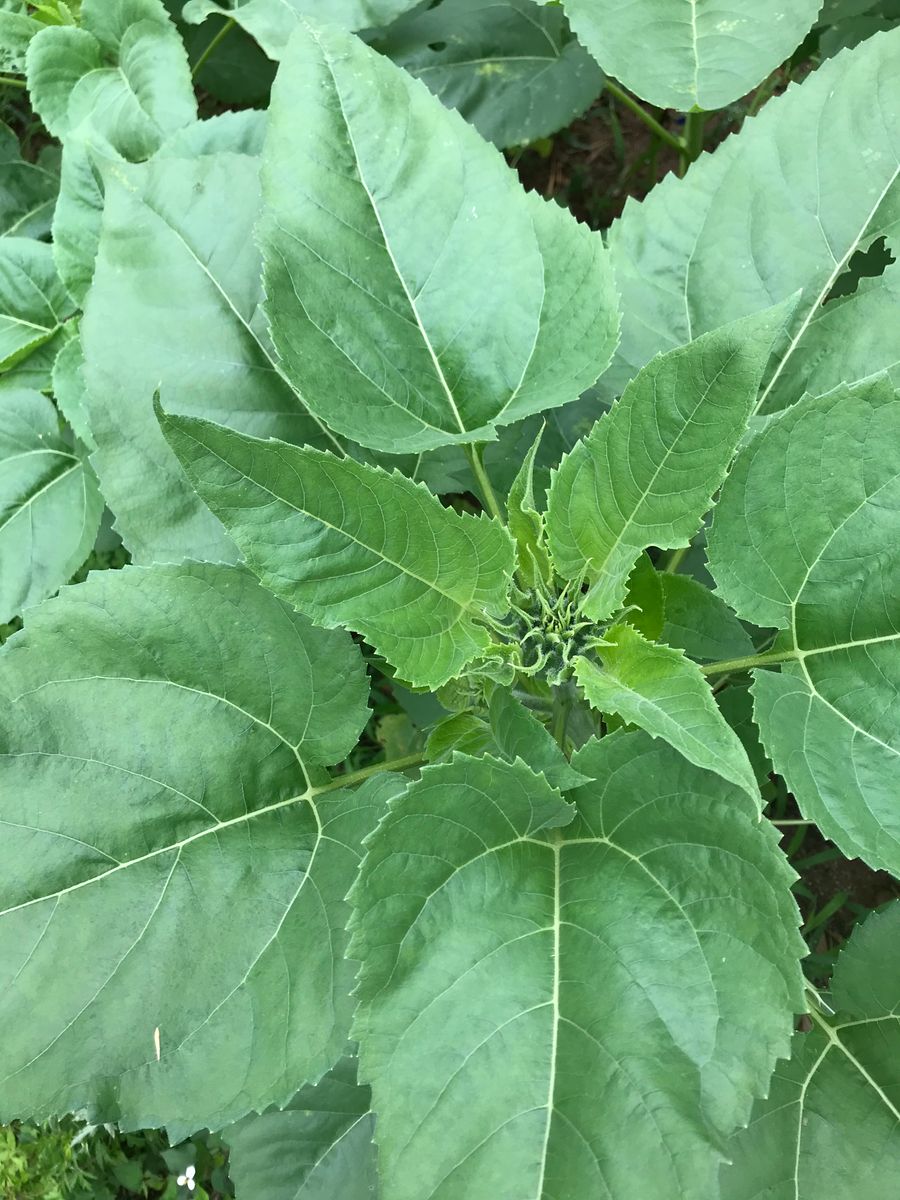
(782, 823)
(396, 764)
(746, 664)
(562, 706)
(650, 121)
(223, 33)
(475, 455)
(11, 81)
(692, 144)
(675, 559)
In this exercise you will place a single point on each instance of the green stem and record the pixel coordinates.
(475, 455)
(692, 145)
(675, 559)
(781, 824)
(223, 33)
(746, 664)
(562, 706)
(639, 111)
(11, 81)
(396, 764)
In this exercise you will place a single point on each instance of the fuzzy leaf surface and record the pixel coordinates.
(50, 506)
(33, 301)
(699, 622)
(781, 207)
(513, 69)
(319, 1148)
(647, 472)
(27, 190)
(661, 691)
(352, 545)
(374, 268)
(165, 853)
(805, 539)
(688, 54)
(608, 1015)
(830, 1127)
(175, 307)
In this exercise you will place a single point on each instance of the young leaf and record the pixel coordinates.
(699, 622)
(646, 599)
(526, 524)
(560, 1014)
(513, 69)
(33, 302)
(70, 391)
(804, 186)
(17, 29)
(519, 734)
(804, 539)
(27, 190)
(49, 504)
(684, 54)
(830, 1127)
(272, 22)
(318, 1148)
(376, 291)
(354, 546)
(647, 472)
(124, 73)
(658, 689)
(165, 851)
(175, 307)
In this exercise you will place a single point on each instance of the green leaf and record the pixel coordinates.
(830, 1127)
(272, 22)
(165, 851)
(175, 308)
(807, 184)
(699, 622)
(526, 523)
(658, 689)
(70, 392)
(804, 539)
(464, 731)
(684, 54)
(560, 1014)
(33, 301)
(646, 599)
(376, 295)
(27, 190)
(513, 69)
(17, 29)
(319, 1148)
(50, 506)
(647, 472)
(124, 74)
(352, 545)
(519, 734)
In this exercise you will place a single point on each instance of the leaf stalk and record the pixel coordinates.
(620, 95)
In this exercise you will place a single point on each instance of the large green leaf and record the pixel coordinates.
(658, 689)
(27, 190)
(165, 852)
(353, 545)
(417, 295)
(319, 1148)
(33, 302)
(805, 539)
(272, 22)
(49, 503)
(563, 1013)
(687, 53)
(783, 205)
(512, 68)
(647, 472)
(830, 1127)
(17, 29)
(175, 308)
(698, 621)
(519, 734)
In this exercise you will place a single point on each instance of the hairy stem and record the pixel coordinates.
(747, 664)
(639, 111)
(692, 143)
(475, 455)
(214, 42)
(675, 559)
(11, 81)
(396, 764)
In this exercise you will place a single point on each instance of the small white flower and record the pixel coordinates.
(187, 1179)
